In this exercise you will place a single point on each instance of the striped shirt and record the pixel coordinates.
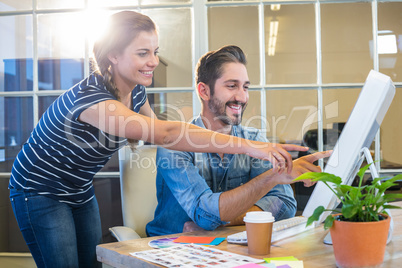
(62, 155)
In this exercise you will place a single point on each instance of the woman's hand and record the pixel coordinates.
(277, 154)
(303, 165)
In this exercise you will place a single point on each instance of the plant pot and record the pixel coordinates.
(359, 244)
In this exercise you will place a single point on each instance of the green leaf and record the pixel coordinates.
(396, 178)
(376, 180)
(354, 193)
(391, 207)
(316, 215)
(385, 185)
(391, 197)
(371, 216)
(363, 170)
(329, 222)
(307, 176)
(350, 209)
(343, 189)
(320, 176)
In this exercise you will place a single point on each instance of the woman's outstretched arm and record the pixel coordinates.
(116, 119)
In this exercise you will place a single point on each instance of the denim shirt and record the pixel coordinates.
(189, 186)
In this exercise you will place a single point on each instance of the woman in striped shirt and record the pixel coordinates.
(51, 188)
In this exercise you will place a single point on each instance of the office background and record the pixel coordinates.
(307, 62)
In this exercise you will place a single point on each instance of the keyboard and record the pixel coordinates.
(281, 229)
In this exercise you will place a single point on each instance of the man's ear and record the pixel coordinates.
(204, 91)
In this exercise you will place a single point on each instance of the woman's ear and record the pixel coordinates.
(112, 56)
(203, 91)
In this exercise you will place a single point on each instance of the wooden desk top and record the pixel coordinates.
(307, 246)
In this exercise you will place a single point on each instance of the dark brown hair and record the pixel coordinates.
(209, 66)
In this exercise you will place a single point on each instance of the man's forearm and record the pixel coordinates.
(239, 220)
(236, 202)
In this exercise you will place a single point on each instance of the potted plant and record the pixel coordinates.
(359, 229)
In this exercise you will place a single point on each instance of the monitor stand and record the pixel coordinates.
(374, 173)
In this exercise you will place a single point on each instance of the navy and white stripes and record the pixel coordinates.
(62, 154)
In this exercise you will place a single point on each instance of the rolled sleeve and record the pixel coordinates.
(189, 188)
(279, 201)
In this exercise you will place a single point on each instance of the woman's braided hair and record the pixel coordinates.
(123, 27)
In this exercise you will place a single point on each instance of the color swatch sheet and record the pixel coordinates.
(194, 256)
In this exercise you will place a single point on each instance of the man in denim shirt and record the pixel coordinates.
(206, 190)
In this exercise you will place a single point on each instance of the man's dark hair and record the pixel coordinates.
(209, 66)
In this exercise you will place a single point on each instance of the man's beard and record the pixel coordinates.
(218, 108)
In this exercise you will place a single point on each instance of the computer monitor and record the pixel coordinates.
(358, 133)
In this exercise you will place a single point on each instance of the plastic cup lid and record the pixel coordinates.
(258, 217)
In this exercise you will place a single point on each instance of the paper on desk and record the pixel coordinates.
(270, 265)
(250, 265)
(290, 264)
(217, 241)
(192, 255)
(194, 239)
(288, 258)
(199, 240)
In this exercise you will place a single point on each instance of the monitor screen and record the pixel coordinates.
(358, 133)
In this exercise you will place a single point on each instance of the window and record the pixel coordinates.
(345, 49)
(290, 44)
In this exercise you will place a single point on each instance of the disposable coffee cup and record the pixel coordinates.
(259, 232)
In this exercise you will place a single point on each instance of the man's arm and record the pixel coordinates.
(239, 219)
(279, 200)
(236, 202)
(190, 190)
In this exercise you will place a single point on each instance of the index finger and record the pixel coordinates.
(318, 155)
(294, 147)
